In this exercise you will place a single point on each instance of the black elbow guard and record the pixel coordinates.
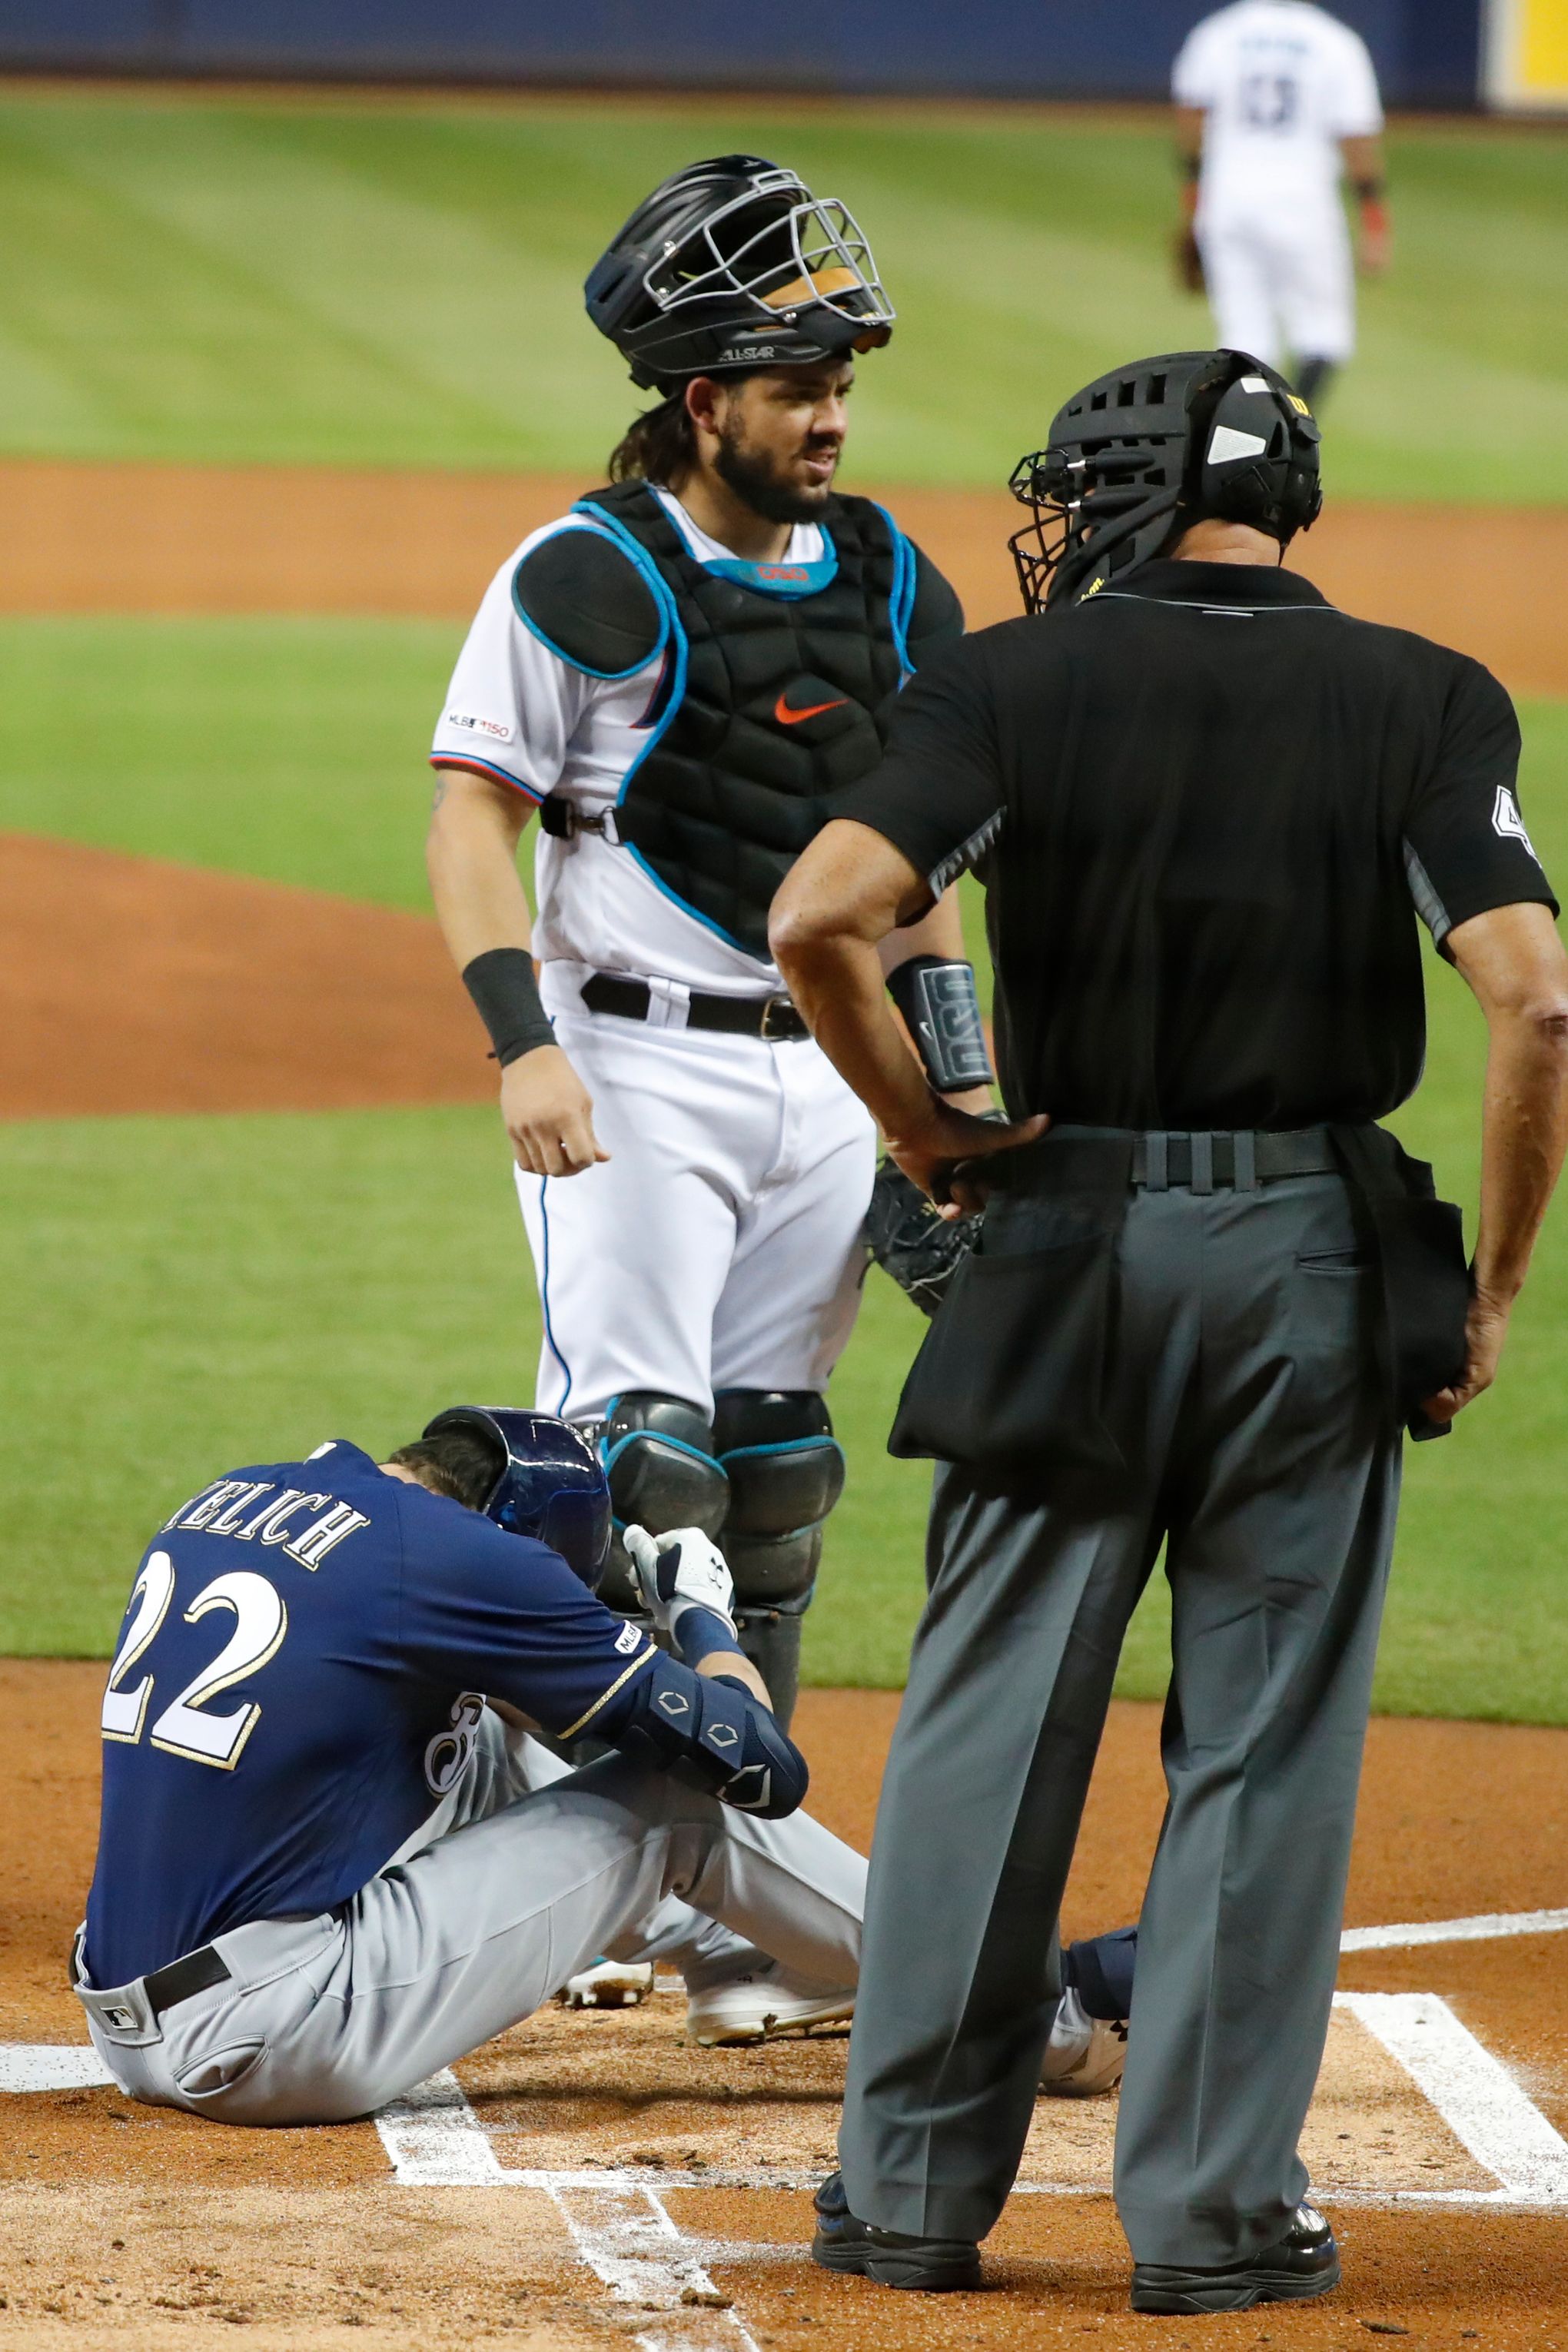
(942, 1013)
(715, 1732)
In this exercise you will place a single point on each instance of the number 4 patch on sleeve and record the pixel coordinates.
(1508, 823)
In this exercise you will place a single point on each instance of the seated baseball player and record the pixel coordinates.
(332, 1859)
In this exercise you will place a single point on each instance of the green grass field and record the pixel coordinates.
(319, 281)
(194, 1292)
(226, 280)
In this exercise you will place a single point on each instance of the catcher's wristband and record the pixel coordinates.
(506, 997)
(942, 1013)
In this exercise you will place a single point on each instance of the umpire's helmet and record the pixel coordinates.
(549, 1482)
(734, 264)
(1150, 449)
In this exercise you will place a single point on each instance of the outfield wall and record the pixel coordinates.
(1427, 52)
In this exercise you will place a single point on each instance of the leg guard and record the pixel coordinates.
(659, 1456)
(785, 1470)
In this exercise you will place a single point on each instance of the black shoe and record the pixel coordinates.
(928, 2265)
(1304, 2262)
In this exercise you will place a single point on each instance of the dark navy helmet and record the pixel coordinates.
(549, 1482)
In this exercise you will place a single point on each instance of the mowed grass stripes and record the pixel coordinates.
(226, 279)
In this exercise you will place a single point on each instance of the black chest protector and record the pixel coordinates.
(777, 684)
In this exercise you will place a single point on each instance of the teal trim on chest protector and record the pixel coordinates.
(785, 580)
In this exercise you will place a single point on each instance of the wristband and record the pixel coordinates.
(1192, 169)
(1370, 190)
(942, 1013)
(505, 992)
(699, 1632)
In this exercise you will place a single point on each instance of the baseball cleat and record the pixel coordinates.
(919, 2265)
(760, 2004)
(1085, 2055)
(1305, 2261)
(608, 1984)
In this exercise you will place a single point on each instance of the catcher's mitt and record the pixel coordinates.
(922, 1251)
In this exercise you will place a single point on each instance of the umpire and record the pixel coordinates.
(1208, 809)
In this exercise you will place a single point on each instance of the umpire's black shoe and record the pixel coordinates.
(1304, 2262)
(929, 2265)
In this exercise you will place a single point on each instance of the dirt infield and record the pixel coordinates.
(128, 985)
(602, 2153)
(191, 538)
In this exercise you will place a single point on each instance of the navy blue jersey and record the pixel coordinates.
(293, 1680)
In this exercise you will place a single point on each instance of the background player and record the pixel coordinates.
(679, 674)
(1271, 96)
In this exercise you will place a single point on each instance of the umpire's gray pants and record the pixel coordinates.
(329, 2017)
(1244, 1392)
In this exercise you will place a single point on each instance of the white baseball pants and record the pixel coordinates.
(1281, 290)
(719, 1246)
(328, 2018)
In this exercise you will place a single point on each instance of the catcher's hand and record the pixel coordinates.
(908, 1240)
(681, 1570)
(1189, 262)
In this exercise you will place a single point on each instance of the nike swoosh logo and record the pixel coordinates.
(788, 718)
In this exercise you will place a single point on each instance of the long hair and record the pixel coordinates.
(659, 446)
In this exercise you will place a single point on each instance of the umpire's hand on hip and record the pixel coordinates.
(945, 1153)
(549, 1114)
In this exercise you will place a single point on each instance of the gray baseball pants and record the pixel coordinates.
(526, 1874)
(1243, 1390)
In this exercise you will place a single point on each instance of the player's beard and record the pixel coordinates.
(758, 479)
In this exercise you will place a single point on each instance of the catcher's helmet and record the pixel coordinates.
(732, 264)
(549, 1482)
(1167, 440)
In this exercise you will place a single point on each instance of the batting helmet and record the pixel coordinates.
(733, 264)
(549, 1482)
(1174, 439)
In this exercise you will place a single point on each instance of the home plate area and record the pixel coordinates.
(594, 2176)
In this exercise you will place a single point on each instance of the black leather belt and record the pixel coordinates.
(1240, 1159)
(772, 1018)
(181, 1978)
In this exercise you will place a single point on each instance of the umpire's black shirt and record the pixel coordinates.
(1207, 808)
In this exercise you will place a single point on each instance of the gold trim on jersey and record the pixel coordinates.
(604, 1698)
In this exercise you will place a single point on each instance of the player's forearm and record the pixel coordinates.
(1365, 171)
(1189, 155)
(471, 854)
(734, 1666)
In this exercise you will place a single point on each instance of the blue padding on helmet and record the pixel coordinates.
(550, 1483)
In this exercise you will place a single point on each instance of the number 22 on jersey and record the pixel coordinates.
(184, 1729)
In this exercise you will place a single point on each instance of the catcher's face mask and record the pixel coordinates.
(733, 264)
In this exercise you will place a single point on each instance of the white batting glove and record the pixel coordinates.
(681, 1570)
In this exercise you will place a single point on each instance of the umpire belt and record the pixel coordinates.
(1238, 1158)
(772, 1018)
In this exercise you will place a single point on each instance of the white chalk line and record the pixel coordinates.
(621, 2232)
(615, 2221)
(1484, 1926)
(1482, 2104)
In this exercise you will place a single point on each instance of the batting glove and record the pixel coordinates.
(681, 1570)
